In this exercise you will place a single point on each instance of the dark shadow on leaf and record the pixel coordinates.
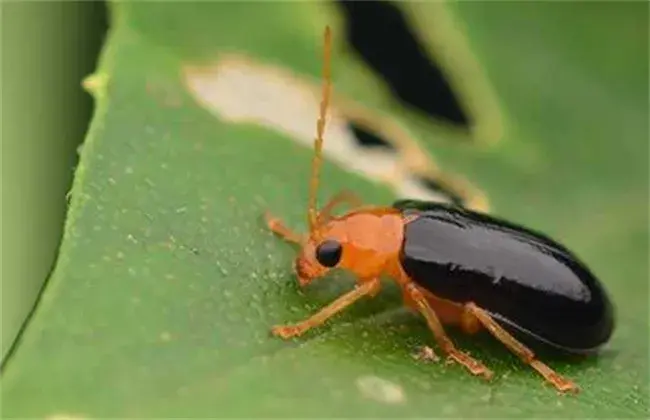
(369, 139)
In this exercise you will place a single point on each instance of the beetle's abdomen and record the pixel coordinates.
(529, 283)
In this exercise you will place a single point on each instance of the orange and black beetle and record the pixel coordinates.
(454, 266)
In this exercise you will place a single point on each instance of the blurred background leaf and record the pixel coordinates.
(167, 283)
(45, 116)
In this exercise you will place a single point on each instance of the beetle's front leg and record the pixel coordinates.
(366, 288)
(276, 226)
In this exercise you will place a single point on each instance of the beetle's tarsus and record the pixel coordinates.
(474, 366)
(286, 331)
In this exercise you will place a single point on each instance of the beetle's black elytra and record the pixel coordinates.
(328, 253)
(530, 284)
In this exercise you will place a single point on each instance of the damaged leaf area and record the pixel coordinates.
(167, 282)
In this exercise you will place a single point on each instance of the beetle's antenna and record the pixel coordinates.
(312, 213)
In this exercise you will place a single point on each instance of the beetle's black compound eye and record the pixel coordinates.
(328, 253)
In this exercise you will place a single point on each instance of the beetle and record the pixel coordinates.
(455, 267)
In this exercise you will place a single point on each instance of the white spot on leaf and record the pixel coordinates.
(379, 389)
(240, 90)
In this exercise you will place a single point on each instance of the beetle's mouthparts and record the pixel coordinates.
(303, 272)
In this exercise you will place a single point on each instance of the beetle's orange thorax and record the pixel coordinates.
(370, 238)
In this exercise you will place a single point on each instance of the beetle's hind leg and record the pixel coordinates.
(562, 384)
(418, 300)
(276, 226)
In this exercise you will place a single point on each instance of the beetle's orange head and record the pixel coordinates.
(361, 241)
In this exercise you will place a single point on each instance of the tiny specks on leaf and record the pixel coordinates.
(165, 336)
(183, 390)
(488, 397)
(449, 409)
(222, 269)
(379, 389)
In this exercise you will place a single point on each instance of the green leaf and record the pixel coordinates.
(167, 282)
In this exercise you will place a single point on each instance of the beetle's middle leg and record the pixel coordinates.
(562, 384)
(418, 300)
(343, 197)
